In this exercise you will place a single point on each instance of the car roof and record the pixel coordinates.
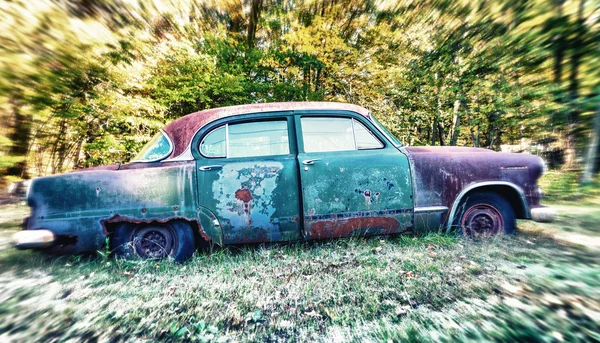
(183, 129)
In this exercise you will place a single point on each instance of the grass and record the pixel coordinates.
(564, 186)
(535, 286)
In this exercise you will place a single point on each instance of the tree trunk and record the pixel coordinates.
(19, 136)
(434, 130)
(255, 9)
(455, 123)
(559, 44)
(441, 133)
(591, 156)
(573, 117)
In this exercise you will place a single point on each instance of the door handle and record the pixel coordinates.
(311, 162)
(213, 167)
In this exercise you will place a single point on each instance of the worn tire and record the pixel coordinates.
(485, 214)
(174, 240)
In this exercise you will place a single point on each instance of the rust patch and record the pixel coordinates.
(243, 195)
(346, 227)
(248, 235)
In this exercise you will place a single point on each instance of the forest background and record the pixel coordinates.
(85, 83)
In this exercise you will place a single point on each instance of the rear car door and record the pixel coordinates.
(248, 177)
(354, 181)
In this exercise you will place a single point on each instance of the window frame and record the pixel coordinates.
(281, 118)
(344, 115)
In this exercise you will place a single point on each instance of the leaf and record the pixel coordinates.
(181, 332)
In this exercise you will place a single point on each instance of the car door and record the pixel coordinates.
(354, 182)
(248, 177)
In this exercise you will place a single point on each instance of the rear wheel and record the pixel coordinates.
(485, 214)
(154, 241)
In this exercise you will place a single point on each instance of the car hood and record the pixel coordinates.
(440, 173)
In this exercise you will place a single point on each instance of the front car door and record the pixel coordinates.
(354, 181)
(248, 177)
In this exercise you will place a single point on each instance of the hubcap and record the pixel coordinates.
(153, 242)
(481, 221)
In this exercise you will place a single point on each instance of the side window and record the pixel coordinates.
(364, 137)
(214, 144)
(336, 134)
(247, 140)
(258, 139)
(327, 134)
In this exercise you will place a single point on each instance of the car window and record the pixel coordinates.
(322, 134)
(327, 134)
(364, 137)
(258, 139)
(157, 148)
(214, 144)
(253, 139)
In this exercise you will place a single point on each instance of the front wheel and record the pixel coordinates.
(485, 214)
(154, 241)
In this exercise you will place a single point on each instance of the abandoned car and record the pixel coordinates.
(278, 172)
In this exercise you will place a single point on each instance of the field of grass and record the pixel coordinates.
(539, 285)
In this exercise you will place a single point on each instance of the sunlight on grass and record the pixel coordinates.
(428, 288)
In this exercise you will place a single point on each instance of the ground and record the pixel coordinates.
(541, 284)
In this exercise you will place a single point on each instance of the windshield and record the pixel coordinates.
(385, 131)
(156, 149)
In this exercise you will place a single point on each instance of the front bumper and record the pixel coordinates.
(33, 239)
(543, 214)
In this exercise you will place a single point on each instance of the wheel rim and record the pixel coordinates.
(481, 221)
(154, 242)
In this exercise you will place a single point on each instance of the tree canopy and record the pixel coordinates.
(85, 83)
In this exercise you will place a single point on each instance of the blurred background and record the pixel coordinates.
(85, 83)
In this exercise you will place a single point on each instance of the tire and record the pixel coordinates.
(174, 240)
(484, 215)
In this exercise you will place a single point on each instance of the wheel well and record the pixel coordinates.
(507, 192)
(199, 241)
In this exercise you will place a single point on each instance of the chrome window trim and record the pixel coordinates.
(431, 209)
(186, 155)
(354, 134)
(226, 140)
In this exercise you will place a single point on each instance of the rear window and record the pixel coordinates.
(156, 149)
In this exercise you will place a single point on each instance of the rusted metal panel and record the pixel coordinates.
(81, 203)
(254, 201)
(356, 192)
(441, 173)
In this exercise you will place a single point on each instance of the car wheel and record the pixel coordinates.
(485, 214)
(154, 241)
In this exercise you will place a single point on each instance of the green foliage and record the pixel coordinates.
(88, 84)
(565, 186)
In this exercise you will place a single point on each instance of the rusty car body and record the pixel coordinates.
(278, 172)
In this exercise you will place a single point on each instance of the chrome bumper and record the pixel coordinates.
(31, 239)
(543, 214)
